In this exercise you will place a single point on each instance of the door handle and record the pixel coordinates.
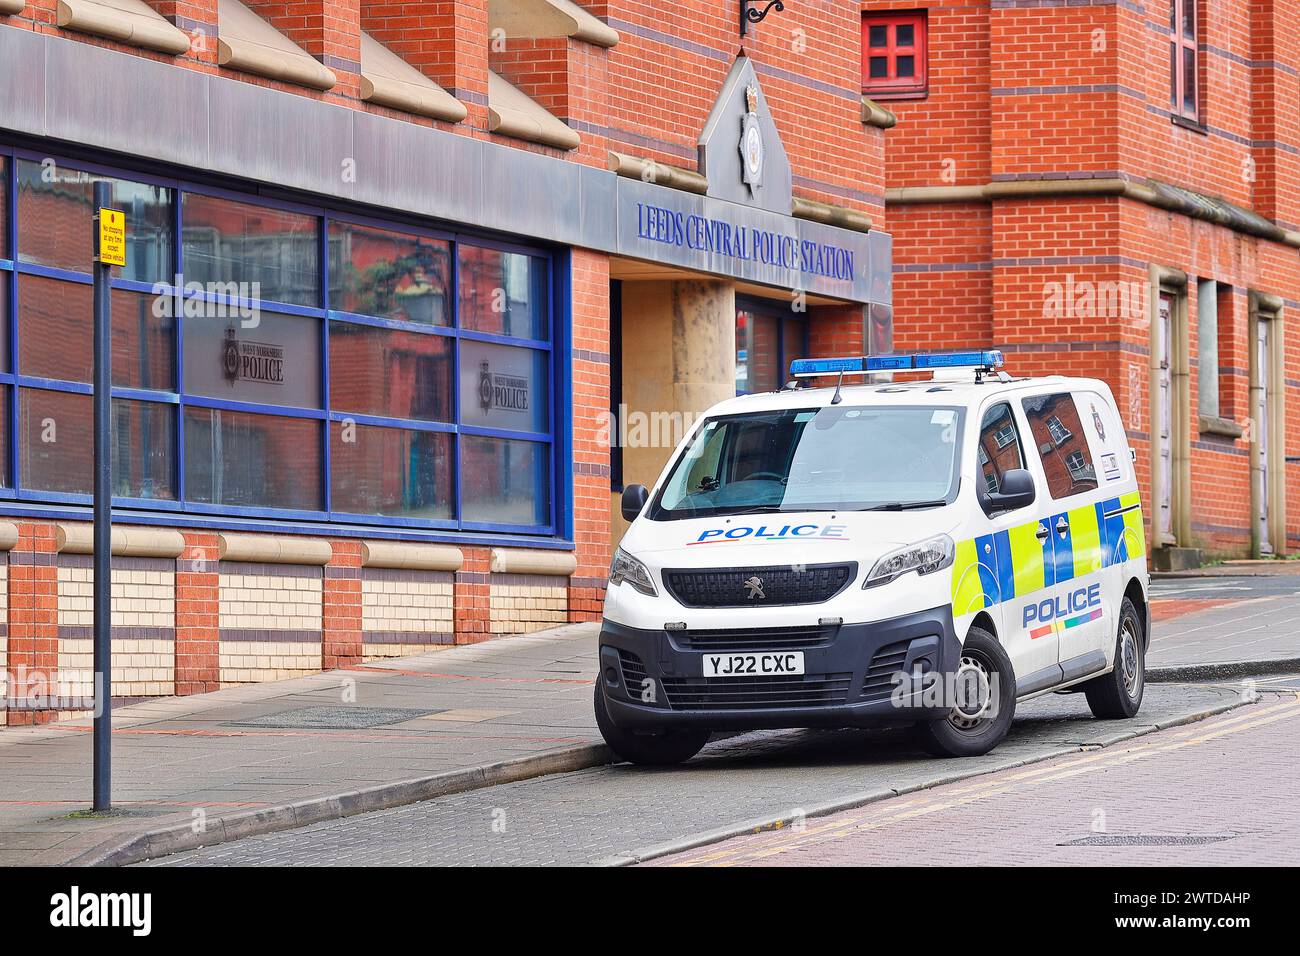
(1062, 526)
(1042, 532)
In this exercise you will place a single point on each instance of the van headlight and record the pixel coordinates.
(933, 554)
(625, 568)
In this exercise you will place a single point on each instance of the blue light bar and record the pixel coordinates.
(986, 360)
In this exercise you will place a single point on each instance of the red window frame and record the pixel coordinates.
(892, 85)
(1184, 59)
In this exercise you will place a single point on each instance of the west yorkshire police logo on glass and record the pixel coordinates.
(752, 150)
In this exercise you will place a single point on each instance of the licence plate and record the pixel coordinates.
(748, 665)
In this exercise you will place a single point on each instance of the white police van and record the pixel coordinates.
(923, 553)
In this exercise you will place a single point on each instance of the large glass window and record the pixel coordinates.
(388, 274)
(268, 254)
(502, 292)
(390, 372)
(505, 482)
(275, 360)
(55, 205)
(252, 460)
(278, 361)
(394, 472)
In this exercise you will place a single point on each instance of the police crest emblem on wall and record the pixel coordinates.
(751, 142)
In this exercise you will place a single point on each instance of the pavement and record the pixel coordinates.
(258, 759)
(1144, 803)
(622, 814)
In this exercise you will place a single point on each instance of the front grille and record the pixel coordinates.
(778, 585)
(755, 639)
(889, 660)
(634, 675)
(705, 693)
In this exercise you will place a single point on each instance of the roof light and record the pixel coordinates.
(986, 360)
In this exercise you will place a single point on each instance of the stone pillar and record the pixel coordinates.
(198, 616)
(341, 607)
(679, 358)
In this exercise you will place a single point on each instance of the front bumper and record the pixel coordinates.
(652, 679)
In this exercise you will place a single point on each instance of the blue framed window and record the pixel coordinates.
(278, 360)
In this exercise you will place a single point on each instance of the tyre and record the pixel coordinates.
(985, 705)
(1118, 695)
(660, 749)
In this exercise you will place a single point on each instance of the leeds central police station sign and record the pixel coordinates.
(767, 246)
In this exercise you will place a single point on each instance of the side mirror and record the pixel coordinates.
(1017, 492)
(634, 499)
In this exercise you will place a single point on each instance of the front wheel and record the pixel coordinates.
(984, 692)
(656, 750)
(1118, 695)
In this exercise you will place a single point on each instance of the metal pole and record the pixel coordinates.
(103, 748)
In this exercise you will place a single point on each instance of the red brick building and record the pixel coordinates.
(1113, 189)
(392, 264)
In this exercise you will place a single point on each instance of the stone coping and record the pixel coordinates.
(132, 22)
(79, 538)
(273, 549)
(528, 561)
(409, 556)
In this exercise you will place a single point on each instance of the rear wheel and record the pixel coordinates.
(1118, 695)
(985, 702)
(650, 749)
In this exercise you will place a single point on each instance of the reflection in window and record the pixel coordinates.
(144, 449)
(504, 482)
(57, 441)
(270, 253)
(55, 209)
(4, 208)
(250, 460)
(1067, 461)
(502, 292)
(766, 344)
(390, 373)
(391, 275)
(5, 279)
(54, 334)
(392, 472)
(999, 446)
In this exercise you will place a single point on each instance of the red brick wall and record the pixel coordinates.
(1042, 90)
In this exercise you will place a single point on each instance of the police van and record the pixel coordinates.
(922, 553)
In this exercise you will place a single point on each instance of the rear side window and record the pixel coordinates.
(999, 447)
(1062, 445)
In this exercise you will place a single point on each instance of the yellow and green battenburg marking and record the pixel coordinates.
(996, 567)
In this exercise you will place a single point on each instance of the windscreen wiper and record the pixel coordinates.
(905, 505)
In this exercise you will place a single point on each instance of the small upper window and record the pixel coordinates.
(1183, 98)
(1067, 461)
(893, 54)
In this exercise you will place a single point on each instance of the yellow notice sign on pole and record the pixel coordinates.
(112, 237)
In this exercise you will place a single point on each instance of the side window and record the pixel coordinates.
(1058, 434)
(999, 447)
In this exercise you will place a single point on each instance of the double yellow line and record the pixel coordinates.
(880, 815)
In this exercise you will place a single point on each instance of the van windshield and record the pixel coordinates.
(830, 459)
